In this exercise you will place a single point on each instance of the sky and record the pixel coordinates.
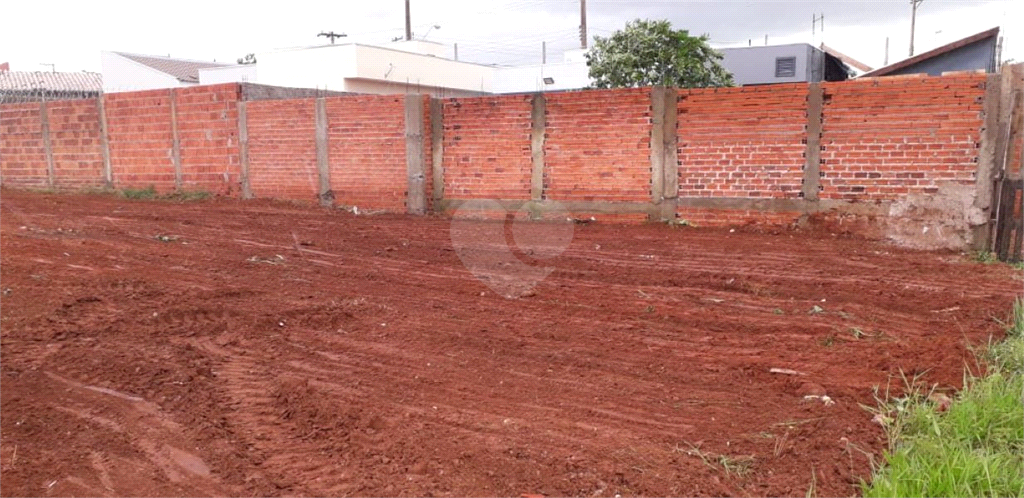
(71, 34)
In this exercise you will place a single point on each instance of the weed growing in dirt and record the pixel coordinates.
(139, 193)
(973, 446)
(185, 195)
(985, 257)
(738, 466)
(149, 193)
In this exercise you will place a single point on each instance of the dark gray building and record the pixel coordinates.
(793, 63)
(974, 53)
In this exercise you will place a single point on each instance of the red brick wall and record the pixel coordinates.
(888, 137)
(742, 142)
(282, 149)
(139, 127)
(208, 136)
(367, 151)
(487, 147)
(882, 140)
(22, 156)
(598, 146)
(75, 141)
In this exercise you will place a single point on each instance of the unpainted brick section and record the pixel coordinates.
(75, 139)
(886, 138)
(208, 133)
(22, 157)
(487, 148)
(598, 146)
(742, 142)
(282, 149)
(139, 127)
(367, 151)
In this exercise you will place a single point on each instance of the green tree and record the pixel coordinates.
(647, 53)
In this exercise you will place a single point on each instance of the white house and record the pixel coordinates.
(124, 72)
(415, 66)
(419, 66)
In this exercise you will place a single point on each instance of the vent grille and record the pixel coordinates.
(785, 67)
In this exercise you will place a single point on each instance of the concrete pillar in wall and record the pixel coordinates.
(415, 155)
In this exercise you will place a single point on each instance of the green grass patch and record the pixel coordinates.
(139, 193)
(150, 193)
(975, 447)
(187, 195)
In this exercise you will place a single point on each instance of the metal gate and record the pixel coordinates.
(1009, 222)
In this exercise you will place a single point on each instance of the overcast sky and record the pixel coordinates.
(71, 34)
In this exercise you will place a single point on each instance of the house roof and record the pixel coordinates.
(949, 47)
(44, 80)
(186, 71)
(849, 61)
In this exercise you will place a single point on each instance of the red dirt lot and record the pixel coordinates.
(259, 348)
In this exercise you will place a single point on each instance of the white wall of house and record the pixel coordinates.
(377, 87)
(409, 67)
(756, 65)
(228, 74)
(125, 75)
(323, 67)
(564, 76)
(406, 68)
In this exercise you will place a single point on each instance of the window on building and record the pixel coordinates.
(785, 67)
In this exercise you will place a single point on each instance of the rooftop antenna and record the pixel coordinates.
(332, 35)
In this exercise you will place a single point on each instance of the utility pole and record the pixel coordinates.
(332, 35)
(999, 55)
(913, 19)
(456, 51)
(583, 24)
(814, 22)
(408, 22)
(886, 63)
(543, 52)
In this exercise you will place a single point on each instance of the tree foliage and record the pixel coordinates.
(248, 59)
(648, 53)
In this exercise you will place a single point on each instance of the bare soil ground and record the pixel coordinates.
(241, 348)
